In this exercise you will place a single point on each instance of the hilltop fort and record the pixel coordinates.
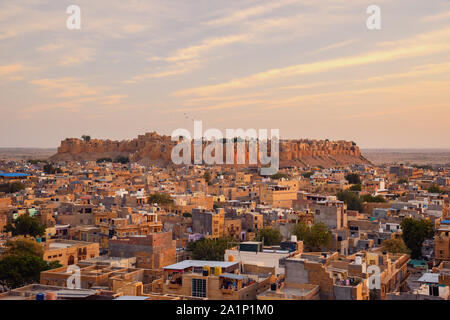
(155, 148)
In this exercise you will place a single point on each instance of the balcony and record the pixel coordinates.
(227, 291)
(174, 286)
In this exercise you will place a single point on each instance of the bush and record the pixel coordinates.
(122, 160)
(49, 169)
(434, 189)
(353, 178)
(12, 187)
(102, 160)
(394, 246)
(160, 198)
(370, 198)
(307, 175)
(279, 175)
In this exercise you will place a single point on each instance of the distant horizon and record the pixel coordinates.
(360, 148)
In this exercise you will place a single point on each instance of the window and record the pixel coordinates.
(199, 288)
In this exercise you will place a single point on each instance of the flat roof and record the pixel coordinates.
(233, 276)
(198, 263)
(14, 175)
(132, 298)
(59, 245)
(429, 278)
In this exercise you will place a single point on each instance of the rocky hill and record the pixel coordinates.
(154, 148)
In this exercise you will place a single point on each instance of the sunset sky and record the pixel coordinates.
(310, 68)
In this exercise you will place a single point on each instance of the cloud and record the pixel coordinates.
(335, 46)
(436, 17)
(6, 70)
(206, 45)
(77, 56)
(424, 44)
(75, 94)
(15, 72)
(245, 14)
(67, 87)
(394, 110)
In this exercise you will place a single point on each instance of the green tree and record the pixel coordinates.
(370, 198)
(271, 236)
(102, 160)
(279, 175)
(320, 236)
(122, 160)
(50, 169)
(434, 189)
(353, 178)
(414, 232)
(11, 187)
(301, 230)
(355, 187)
(351, 200)
(24, 246)
(207, 177)
(25, 225)
(307, 175)
(209, 249)
(160, 198)
(19, 270)
(314, 238)
(394, 246)
(86, 138)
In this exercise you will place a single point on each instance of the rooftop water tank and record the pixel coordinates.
(50, 296)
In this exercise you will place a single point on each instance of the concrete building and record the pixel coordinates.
(127, 281)
(253, 253)
(152, 251)
(68, 252)
(442, 243)
(208, 223)
(215, 280)
(348, 278)
(331, 213)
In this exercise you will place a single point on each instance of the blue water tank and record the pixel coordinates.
(40, 296)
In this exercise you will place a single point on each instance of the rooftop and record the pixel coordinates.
(198, 263)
